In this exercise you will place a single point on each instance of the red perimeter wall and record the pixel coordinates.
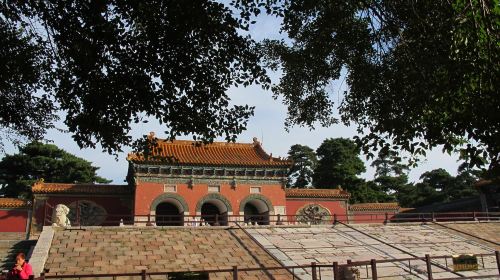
(363, 217)
(117, 207)
(13, 220)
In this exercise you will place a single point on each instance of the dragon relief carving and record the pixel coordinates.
(90, 213)
(313, 214)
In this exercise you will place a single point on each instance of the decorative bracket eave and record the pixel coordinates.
(233, 182)
(211, 172)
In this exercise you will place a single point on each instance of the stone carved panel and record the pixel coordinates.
(313, 214)
(91, 213)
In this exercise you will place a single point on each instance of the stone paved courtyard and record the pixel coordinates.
(484, 230)
(327, 244)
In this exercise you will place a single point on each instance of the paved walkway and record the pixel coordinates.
(327, 244)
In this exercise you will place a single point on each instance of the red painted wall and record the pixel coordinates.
(146, 192)
(335, 206)
(116, 207)
(13, 220)
(370, 217)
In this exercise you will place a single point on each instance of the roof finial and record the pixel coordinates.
(151, 135)
(256, 141)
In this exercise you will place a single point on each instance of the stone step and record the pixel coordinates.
(10, 245)
(124, 250)
(12, 236)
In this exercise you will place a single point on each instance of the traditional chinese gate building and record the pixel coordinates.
(182, 181)
(181, 178)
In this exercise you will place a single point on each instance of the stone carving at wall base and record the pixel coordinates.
(313, 214)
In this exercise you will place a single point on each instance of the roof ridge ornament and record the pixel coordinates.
(256, 141)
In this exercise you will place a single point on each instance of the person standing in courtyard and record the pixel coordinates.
(22, 269)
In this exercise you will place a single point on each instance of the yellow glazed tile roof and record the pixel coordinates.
(317, 193)
(13, 203)
(40, 188)
(374, 206)
(217, 153)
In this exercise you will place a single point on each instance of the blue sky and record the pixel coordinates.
(267, 124)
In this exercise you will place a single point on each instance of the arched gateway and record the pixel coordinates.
(256, 209)
(168, 210)
(214, 209)
(168, 214)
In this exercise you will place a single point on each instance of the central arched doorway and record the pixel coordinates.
(256, 212)
(214, 212)
(168, 214)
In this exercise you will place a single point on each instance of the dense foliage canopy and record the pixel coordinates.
(420, 74)
(340, 166)
(106, 64)
(304, 162)
(37, 161)
(437, 186)
(336, 163)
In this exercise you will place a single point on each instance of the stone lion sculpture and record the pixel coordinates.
(60, 216)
